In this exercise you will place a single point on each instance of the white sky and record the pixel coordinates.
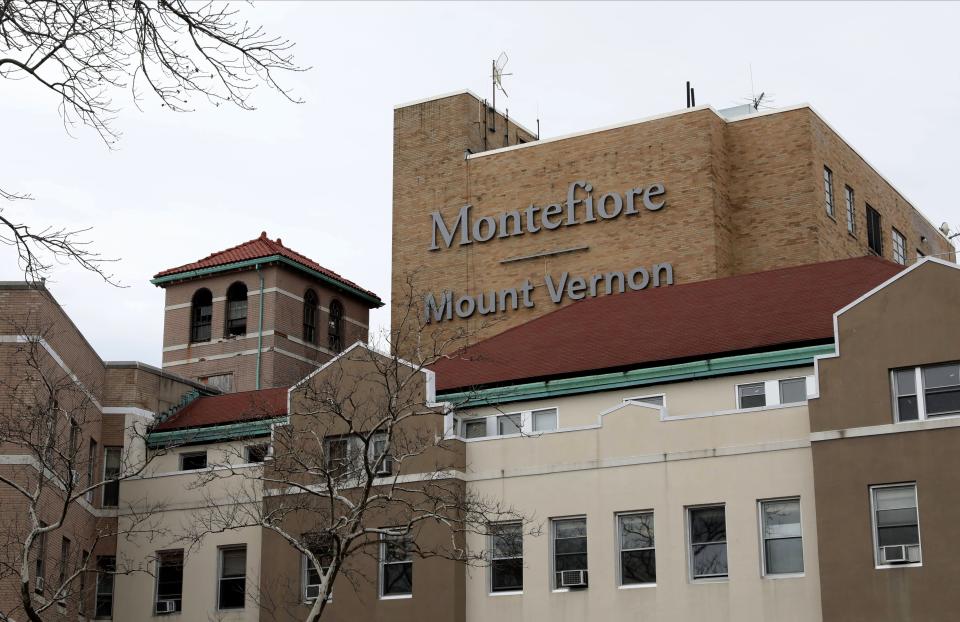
(318, 175)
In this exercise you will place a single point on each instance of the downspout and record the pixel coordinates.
(260, 328)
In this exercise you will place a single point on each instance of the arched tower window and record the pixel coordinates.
(336, 326)
(310, 316)
(201, 315)
(236, 310)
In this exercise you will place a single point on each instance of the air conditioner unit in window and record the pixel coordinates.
(38, 584)
(313, 592)
(166, 606)
(386, 467)
(900, 554)
(573, 578)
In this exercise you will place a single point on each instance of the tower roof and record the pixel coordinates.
(261, 250)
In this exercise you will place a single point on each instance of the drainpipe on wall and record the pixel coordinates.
(260, 328)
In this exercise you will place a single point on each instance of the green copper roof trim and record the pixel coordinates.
(249, 263)
(214, 433)
(638, 377)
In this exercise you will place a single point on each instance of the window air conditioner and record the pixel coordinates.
(900, 554)
(386, 467)
(38, 584)
(166, 606)
(573, 578)
(313, 592)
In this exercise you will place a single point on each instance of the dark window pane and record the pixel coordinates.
(638, 567)
(784, 556)
(907, 408)
(398, 578)
(507, 574)
(192, 462)
(941, 376)
(752, 395)
(709, 560)
(507, 540)
(898, 535)
(897, 517)
(707, 525)
(942, 401)
(636, 531)
(571, 562)
(571, 528)
(232, 593)
(570, 545)
(106, 566)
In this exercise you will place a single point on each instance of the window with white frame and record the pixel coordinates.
(103, 599)
(506, 557)
(396, 566)
(926, 392)
(782, 537)
(793, 390)
(344, 455)
(544, 420)
(473, 428)
(193, 461)
(638, 560)
(232, 579)
(169, 582)
(896, 524)
(828, 190)
(851, 210)
(509, 424)
(570, 552)
(899, 247)
(654, 400)
(322, 547)
(752, 395)
(707, 528)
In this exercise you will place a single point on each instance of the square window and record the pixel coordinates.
(941, 389)
(475, 428)
(638, 561)
(782, 537)
(545, 420)
(896, 524)
(193, 461)
(751, 395)
(570, 552)
(508, 424)
(793, 390)
(257, 453)
(708, 542)
(506, 557)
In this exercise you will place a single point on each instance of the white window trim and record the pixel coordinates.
(553, 557)
(921, 395)
(771, 391)
(381, 564)
(490, 591)
(806, 394)
(220, 577)
(304, 578)
(763, 541)
(766, 392)
(184, 454)
(894, 236)
(156, 583)
(689, 542)
(641, 398)
(618, 550)
(873, 523)
(492, 425)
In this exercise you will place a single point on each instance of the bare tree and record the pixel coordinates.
(367, 466)
(83, 52)
(51, 475)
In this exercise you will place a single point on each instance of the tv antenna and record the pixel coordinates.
(497, 76)
(763, 99)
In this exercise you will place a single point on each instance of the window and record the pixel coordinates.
(708, 542)
(74, 447)
(381, 460)
(874, 231)
(793, 390)
(474, 428)
(396, 566)
(751, 395)
(193, 461)
(64, 571)
(106, 567)
(655, 400)
(231, 590)
(91, 464)
(828, 190)
(638, 561)
(545, 420)
(335, 329)
(310, 303)
(506, 557)
(344, 455)
(224, 382)
(782, 537)
(508, 424)
(111, 473)
(322, 547)
(851, 210)
(570, 552)
(257, 453)
(236, 310)
(82, 594)
(338, 455)
(169, 582)
(899, 247)
(201, 315)
(939, 393)
(40, 563)
(896, 524)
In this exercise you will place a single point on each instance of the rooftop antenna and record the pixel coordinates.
(497, 82)
(755, 100)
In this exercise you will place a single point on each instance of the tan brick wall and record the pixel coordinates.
(741, 196)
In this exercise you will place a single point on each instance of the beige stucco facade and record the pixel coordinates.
(608, 457)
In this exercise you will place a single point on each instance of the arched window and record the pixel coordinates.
(336, 326)
(236, 310)
(201, 314)
(310, 316)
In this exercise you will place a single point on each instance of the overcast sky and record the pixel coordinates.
(318, 174)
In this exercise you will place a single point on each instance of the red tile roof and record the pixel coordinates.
(229, 408)
(752, 312)
(256, 249)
